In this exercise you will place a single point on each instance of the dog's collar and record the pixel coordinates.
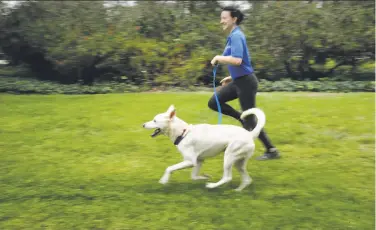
(180, 138)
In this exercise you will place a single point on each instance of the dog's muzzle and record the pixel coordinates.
(156, 131)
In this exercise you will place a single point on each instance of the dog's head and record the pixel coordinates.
(161, 122)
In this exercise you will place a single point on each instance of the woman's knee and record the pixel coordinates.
(212, 104)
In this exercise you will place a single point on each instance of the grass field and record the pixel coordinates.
(84, 162)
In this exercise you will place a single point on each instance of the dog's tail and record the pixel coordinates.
(260, 115)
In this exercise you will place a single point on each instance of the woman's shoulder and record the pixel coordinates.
(237, 34)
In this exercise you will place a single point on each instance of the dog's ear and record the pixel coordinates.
(171, 111)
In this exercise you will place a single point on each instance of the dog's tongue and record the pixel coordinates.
(156, 132)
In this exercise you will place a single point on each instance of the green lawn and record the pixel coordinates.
(84, 162)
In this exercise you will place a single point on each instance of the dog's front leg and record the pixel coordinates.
(196, 170)
(170, 169)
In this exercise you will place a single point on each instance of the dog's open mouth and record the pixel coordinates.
(156, 132)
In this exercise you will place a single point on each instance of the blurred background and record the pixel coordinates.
(165, 44)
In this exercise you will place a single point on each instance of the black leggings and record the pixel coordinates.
(244, 88)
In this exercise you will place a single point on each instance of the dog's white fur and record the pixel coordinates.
(204, 140)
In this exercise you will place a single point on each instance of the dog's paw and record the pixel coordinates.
(211, 185)
(163, 180)
(203, 177)
(207, 176)
(243, 185)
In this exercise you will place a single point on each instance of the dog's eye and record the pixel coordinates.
(155, 121)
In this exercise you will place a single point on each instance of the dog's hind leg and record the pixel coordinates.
(246, 180)
(235, 152)
(170, 169)
(227, 168)
(196, 171)
(227, 176)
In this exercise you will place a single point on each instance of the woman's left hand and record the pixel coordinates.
(214, 60)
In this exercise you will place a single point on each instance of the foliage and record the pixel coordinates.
(171, 44)
(299, 38)
(24, 85)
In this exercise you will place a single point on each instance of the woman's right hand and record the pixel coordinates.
(226, 80)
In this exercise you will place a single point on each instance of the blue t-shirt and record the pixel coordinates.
(236, 46)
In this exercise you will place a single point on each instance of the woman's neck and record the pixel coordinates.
(234, 27)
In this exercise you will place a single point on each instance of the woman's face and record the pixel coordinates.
(227, 21)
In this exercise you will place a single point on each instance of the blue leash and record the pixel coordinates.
(216, 97)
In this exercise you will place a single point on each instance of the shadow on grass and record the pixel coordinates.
(192, 189)
(147, 188)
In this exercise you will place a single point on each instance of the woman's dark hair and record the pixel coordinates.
(234, 13)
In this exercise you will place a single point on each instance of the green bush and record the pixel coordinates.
(20, 85)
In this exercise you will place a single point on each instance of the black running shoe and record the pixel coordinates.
(269, 155)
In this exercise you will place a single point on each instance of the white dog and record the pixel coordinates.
(197, 142)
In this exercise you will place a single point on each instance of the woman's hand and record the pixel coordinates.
(226, 80)
(214, 60)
